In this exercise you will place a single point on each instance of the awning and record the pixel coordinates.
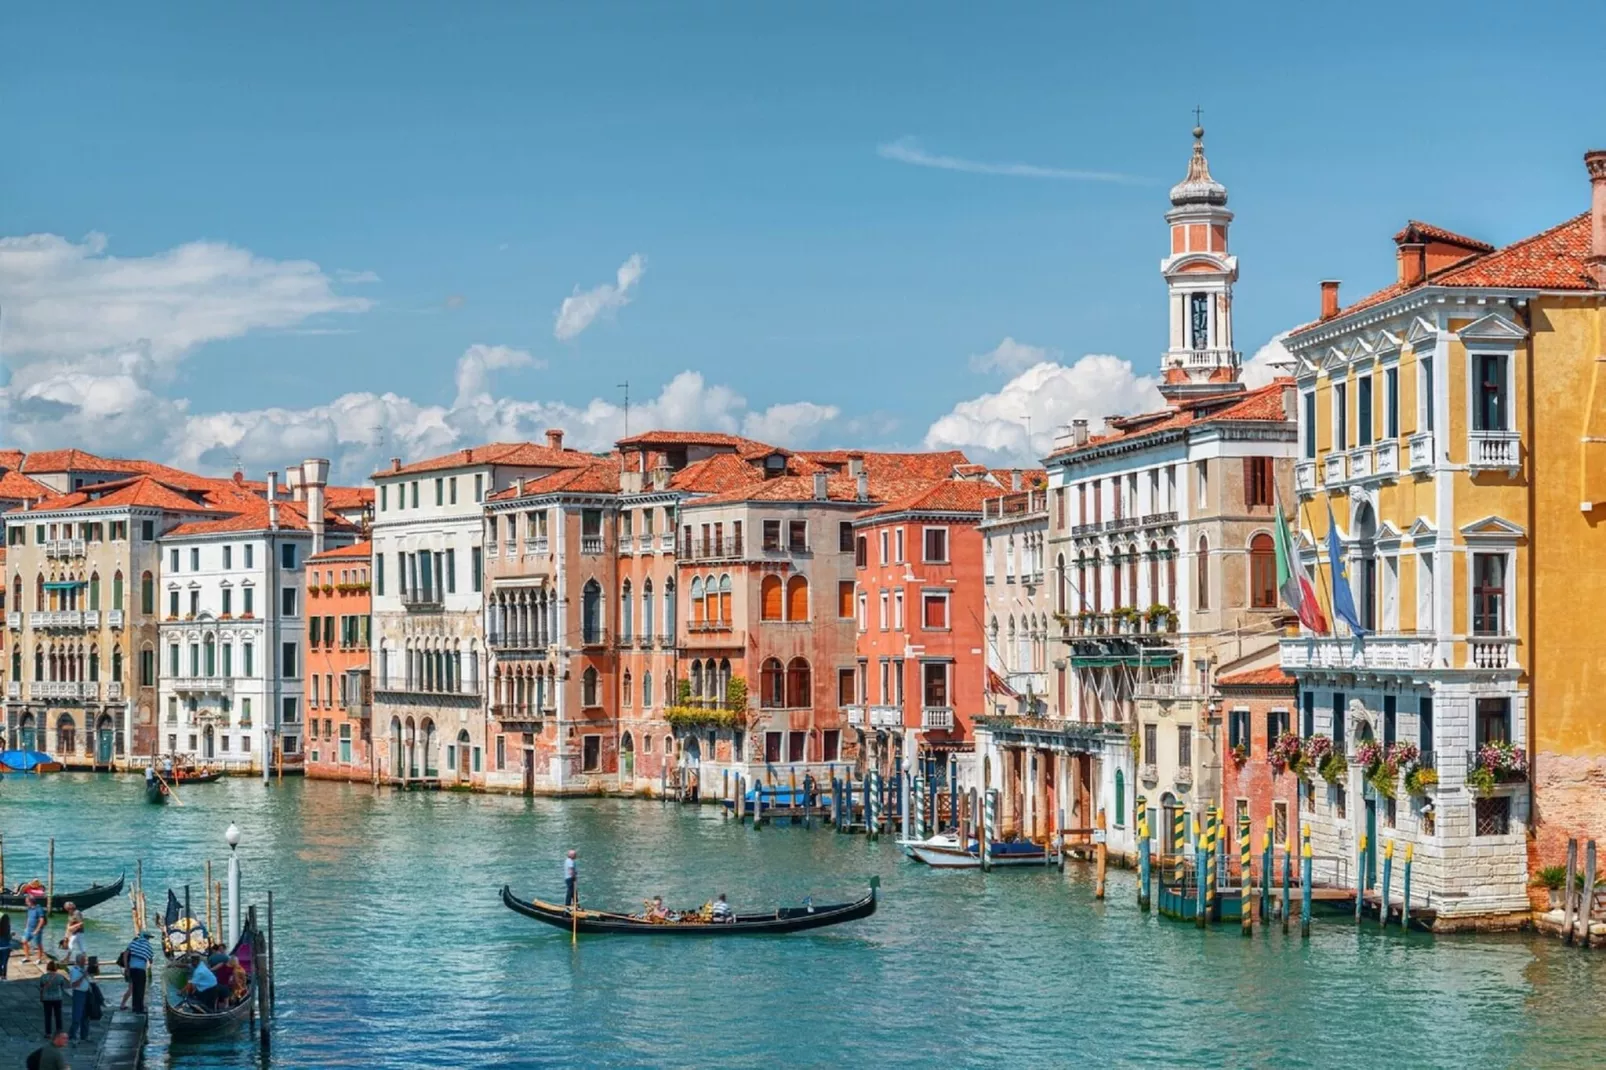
(64, 585)
(1133, 661)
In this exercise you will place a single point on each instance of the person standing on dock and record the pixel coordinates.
(571, 873)
(78, 982)
(5, 944)
(140, 955)
(53, 1056)
(33, 932)
(52, 990)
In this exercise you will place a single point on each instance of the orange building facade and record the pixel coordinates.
(339, 743)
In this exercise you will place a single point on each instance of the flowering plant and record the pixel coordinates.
(1333, 768)
(1503, 760)
(1402, 756)
(1318, 749)
(1240, 754)
(1286, 754)
(1419, 780)
(1370, 755)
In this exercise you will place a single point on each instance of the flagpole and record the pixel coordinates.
(1332, 614)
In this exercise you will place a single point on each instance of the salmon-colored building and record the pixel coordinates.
(339, 743)
(1258, 707)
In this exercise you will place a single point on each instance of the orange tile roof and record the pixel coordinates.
(15, 486)
(68, 460)
(254, 517)
(11, 459)
(357, 550)
(518, 454)
(592, 479)
(714, 475)
(1262, 403)
(138, 491)
(1553, 259)
(1272, 677)
(782, 489)
(692, 438)
(948, 496)
(348, 497)
(1415, 230)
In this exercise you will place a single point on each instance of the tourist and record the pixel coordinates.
(74, 941)
(656, 911)
(52, 1056)
(202, 987)
(33, 932)
(137, 968)
(240, 981)
(224, 972)
(78, 984)
(722, 910)
(571, 873)
(5, 943)
(52, 990)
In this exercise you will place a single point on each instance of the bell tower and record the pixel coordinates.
(1199, 273)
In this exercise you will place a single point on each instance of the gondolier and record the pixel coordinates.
(571, 873)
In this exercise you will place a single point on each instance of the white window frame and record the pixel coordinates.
(948, 609)
(1339, 388)
(1510, 413)
(947, 550)
(1508, 589)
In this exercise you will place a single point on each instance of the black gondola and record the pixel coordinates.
(187, 1018)
(782, 920)
(156, 792)
(205, 777)
(95, 895)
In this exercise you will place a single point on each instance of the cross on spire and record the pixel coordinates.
(1198, 115)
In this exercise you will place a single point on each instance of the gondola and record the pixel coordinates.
(209, 776)
(156, 792)
(782, 920)
(186, 1018)
(95, 895)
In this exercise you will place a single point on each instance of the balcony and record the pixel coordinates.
(724, 549)
(512, 548)
(712, 633)
(1360, 462)
(114, 618)
(68, 689)
(854, 716)
(535, 545)
(1305, 477)
(666, 542)
(421, 601)
(644, 544)
(1170, 690)
(91, 618)
(1027, 683)
(1148, 772)
(1159, 520)
(1121, 523)
(1085, 529)
(56, 618)
(362, 711)
(64, 548)
(1503, 775)
(937, 718)
(1494, 450)
(594, 637)
(1386, 461)
(13, 689)
(212, 685)
(1419, 451)
(1335, 469)
(1378, 652)
(114, 691)
(464, 689)
(1492, 652)
(666, 642)
(14, 619)
(517, 718)
(1211, 358)
(1183, 777)
(515, 640)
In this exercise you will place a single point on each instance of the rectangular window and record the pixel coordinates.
(1276, 725)
(934, 610)
(1425, 401)
(886, 681)
(797, 536)
(1363, 411)
(379, 574)
(1494, 721)
(479, 488)
(384, 497)
(1184, 746)
(1258, 487)
(1340, 416)
(476, 567)
(172, 604)
(1493, 816)
(886, 553)
(449, 572)
(315, 631)
(1424, 725)
(934, 684)
(1488, 594)
(172, 556)
(287, 555)
(147, 668)
(1203, 470)
(772, 535)
(844, 536)
(147, 530)
(414, 496)
(844, 598)
(1309, 421)
(1238, 729)
(885, 607)
(440, 491)
(247, 660)
(1391, 403)
(1151, 737)
(861, 552)
(291, 707)
(1489, 402)
(1390, 719)
(897, 546)
(228, 557)
(897, 610)
(1279, 822)
(1307, 726)
(195, 559)
(249, 554)
(287, 601)
(830, 744)
(1338, 723)
(172, 659)
(936, 545)
(844, 687)
(287, 660)
(195, 603)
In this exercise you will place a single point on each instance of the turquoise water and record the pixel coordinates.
(396, 952)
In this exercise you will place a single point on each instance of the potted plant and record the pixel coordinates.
(1240, 754)
(1481, 780)
(1551, 878)
(1420, 781)
(1504, 764)
(1287, 754)
(1160, 617)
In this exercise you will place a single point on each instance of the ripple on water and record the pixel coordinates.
(395, 951)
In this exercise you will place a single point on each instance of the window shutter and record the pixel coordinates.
(770, 591)
(797, 598)
(844, 599)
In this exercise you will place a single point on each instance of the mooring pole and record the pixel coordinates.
(1586, 905)
(1266, 874)
(1304, 892)
(1201, 867)
(1288, 873)
(1388, 872)
(1405, 904)
(1570, 891)
(1100, 854)
(258, 954)
(1246, 890)
(1360, 869)
(1143, 860)
(273, 959)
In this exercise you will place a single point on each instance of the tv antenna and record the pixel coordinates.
(626, 387)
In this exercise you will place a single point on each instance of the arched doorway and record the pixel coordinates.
(207, 743)
(26, 733)
(627, 758)
(1365, 580)
(429, 748)
(66, 736)
(105, 739)
(463, 747)
(1170, 830)
(396, 748)
(410, 745)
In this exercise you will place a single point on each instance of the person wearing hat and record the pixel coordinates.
(137, 968)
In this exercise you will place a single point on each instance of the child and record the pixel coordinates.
(52, 990)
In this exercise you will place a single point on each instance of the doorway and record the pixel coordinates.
(1371, 841)
(463, 756)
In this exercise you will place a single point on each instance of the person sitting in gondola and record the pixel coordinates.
(721, 913)
(203, 988)
(239, 981)
(656, 911)
(219, 965)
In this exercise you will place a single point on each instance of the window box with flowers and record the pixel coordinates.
(1161, 618)
(1240, 754)
(1287, 754)
(1494, 764)
(1320, 755)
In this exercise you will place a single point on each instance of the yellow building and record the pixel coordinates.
(1453, 423)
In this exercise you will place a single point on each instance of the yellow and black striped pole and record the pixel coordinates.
(1143, 854)
(1246, 891)
(1178, 842)
(1212, 834)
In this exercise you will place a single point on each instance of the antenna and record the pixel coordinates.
(626, 387)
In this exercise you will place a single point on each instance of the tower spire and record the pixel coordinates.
(1199, 274)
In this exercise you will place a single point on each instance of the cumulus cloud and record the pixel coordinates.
(795, 423)
(580, 309)
(1015, 424)
(908, 150)
(474, 369)
(1012, 357)
(1269, 361)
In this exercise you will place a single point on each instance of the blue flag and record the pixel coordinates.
(1343, 600)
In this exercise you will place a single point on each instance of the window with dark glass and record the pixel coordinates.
(934, 684)
(1390, 719)
(1310, 425)
(1238, 729)
(936, 545)
(1488, 594)
(772, 534)
(1424, 725)
(1489, 384)
(1199, 320)
(797, 536)
(1391, 403)
(1493, 721)
(1340, 416)
(1276, 725)
(1338, 722)
(1363, 411)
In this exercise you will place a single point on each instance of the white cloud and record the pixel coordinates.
(1262, 368)
(1012, 357)
(580, 309)
(795, 424)
(908, 150)
(993, 428)
(478, 361)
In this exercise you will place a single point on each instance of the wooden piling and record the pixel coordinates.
(1405, 903)
(206, 890)
(50, 883)
(1586, 897)
(1201, 866)
(1266, 877)
(1304, 891)
(1388, 872)
(1360, 869)
(1179, 842)
(258, 955)
(1246, 889)
(273, 959)
(1100, 854)
(1570, 891)
(1143, 860)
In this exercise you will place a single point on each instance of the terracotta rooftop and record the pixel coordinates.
(15, 486)
(254, 517)
(356, 551)
(348, 497)
(1262, 403)
(1417, 231)
(138, 491)
(714, 475)
(592, 479)
(784, 489)
(11, 459)
(518, 454)
(691, 438)
(1553, 259)
(1272, 677)
(948, 496)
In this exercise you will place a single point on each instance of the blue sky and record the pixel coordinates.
(455, 175)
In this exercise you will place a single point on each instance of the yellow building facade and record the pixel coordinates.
(1450, 424)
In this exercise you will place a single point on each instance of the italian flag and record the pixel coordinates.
(1291, 582)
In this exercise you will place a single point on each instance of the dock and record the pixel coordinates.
(116, 1042)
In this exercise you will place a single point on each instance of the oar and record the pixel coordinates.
(172, 794)
(574, 919)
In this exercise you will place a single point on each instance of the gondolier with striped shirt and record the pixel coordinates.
(571, 873)
(139, 956)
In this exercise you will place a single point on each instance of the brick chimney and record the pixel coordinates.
(1079, 432)
(273, 501)
(1411, 256)
(395, 464)
(554, 438)
(1329, 298)
(1595, 161)
(862, 485)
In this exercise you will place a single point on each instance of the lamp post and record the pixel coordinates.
(233, 838)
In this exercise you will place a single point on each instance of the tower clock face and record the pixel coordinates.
(1200, 314)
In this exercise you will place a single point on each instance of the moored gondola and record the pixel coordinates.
(196, 776)
(781, 920)
(94, 895)
(186, 1017)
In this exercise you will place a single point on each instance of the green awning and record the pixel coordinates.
(1132, 661)
(63, 585)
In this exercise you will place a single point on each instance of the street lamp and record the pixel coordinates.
(233, 838)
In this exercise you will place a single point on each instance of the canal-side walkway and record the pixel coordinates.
(114, 1043)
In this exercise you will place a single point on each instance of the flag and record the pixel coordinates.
(1343, 600)
(1296, 590)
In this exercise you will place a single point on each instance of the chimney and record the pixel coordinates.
(239, 477)
(1014, 479)
(660, 476)
(395, 464)
(468, 453)
(855, 467)
(273, 501)
(1290, 404)
(521, 486)
(1079, 432)
(292, 479)
(862, 488)
(821, 488)
(314, 480)
(1329, 298)
(1595, 161)
(1413, 263)
(554, 438)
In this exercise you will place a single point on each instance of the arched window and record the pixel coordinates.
(798, 692)
(1059, 584)
(646, 690)
(117, 589)
(16, 594)
(1202, 567)
(797, 598)
(588, 688)
(724, 679)
(1171, 574)
(1132, 576)
(696, 599)
(1012, 651)
(39, 592)
(772, 685)
(625, 689)
(646, 609)
(669, 609)
(995, 659)
(94, 591)
(1154, 574)
(1120, 799)
(725, 598)
(769, 594)
(1098, 583)
(591, 612)
(710, 599)
(697, 679)
(147, 593)
(627, 613)
(1262, 572)
(1081, 582)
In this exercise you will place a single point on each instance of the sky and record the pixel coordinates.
(236, 234)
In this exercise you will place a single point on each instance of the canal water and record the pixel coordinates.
(395, 950)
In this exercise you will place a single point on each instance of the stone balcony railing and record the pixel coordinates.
(1494, 450)
(591, 544)
(1305, 477)
(1386, 460)
(215, 685)
(114, 618)
(65, 548)
(1376, 652)
(1360, 462)
(56, 618)
(14, 619)
(1170, 690)
(114, 691)
(1492, 652)
(1419, 451)
(939, 718)
(13, 689)
(535, 545)
(1335, 468)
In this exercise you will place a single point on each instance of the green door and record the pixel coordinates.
(1371, 842)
